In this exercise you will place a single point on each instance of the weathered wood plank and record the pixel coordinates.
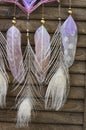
(78, 67)
(51, 117)
(80, 53)
(77, 80)
(75, 3)
(70, 106)
(80, 3)
(75, 92)
(7, 12)
(34, 24)
(33, 126)
(73, 79)
(81, 39)
(84, 123)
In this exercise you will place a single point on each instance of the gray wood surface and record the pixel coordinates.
(73, 115)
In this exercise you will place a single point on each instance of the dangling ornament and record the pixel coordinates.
(42, 47)
(69, 38)
(3, 74)
(58, 76)
(29, 92)
(48, 65)
(14, 53)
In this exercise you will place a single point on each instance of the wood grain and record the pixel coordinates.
(51, 25)
(73, 115)
(70, 106)
(33, 126)
(75, 92)
(46, 117)
(7, 12)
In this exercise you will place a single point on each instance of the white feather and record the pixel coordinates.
(3, 89)
(56, 90)
(24, 113)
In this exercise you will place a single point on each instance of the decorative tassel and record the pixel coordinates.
(14, 53)
(24, 113)
(56, 90)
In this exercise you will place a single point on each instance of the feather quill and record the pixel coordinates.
(69, 39)
(14, 53)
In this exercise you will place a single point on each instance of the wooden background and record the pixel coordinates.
(73, 114)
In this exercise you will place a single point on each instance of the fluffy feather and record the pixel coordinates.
(56, 90)
(30, 90)
(3, 89)
(3, 74)
(14, 53)
(24, 113)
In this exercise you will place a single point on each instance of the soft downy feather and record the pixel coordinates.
(3, 89)
(3, 74)
(58, 77)
(42, 48)
(30, 90)
(24, 113)
(57, 90)
(14, 53)
(69, 39)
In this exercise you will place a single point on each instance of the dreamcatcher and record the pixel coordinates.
(48, 65)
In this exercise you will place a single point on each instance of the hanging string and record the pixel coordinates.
(27, 27)
(43, 20)
(70, 9)
(14, 15)
(59, 11)
(70, 3)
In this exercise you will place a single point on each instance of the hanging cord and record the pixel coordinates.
(14, 15)
(28, 40)
(59, 11)
(70, 8)
(42, 19)
(27, 27)
(59, 19)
